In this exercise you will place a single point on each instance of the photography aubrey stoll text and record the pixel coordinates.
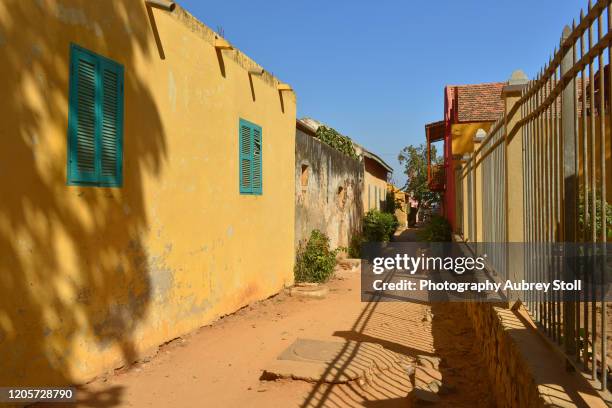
(486, 286)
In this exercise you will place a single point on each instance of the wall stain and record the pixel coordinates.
(73, 16)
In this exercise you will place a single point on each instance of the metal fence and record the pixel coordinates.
(561, 121)
(494, 209)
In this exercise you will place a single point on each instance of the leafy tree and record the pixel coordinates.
(414, 160)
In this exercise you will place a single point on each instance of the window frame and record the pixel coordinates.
(251, 190)
(101, 63)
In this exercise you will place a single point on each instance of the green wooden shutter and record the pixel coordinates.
(257, 160)
(246, 157)
(95, 122)
(82, 118)
(111, 124)
(250, 167)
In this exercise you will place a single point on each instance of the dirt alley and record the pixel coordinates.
(220, 365)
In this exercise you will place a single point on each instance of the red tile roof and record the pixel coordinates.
(478, 102)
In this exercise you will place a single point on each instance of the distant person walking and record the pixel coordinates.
(413, 218)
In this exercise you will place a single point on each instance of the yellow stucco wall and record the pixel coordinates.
(374, 193)
(463, 135)
(92, 278)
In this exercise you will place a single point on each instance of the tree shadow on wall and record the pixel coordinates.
(72, 260)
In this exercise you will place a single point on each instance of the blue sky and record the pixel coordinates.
(376, 70)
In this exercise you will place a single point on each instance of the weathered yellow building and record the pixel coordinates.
(147, 184)
(375, 176)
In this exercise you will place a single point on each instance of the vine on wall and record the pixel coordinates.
(334, 139)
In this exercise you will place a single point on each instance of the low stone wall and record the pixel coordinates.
(525, 370)
(513, 383)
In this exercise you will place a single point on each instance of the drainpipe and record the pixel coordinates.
(162, 4)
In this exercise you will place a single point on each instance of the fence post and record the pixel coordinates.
(468, 197)
(568, 129)
(463, 184)
(514, 157)
(460, 196)
(515, 217)
(478, 198)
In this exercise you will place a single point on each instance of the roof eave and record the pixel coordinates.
(370, 155)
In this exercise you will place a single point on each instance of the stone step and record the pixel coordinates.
(309, 290)
(427, 380)
(332, 362)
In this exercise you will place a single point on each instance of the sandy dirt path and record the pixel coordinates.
(220, 365)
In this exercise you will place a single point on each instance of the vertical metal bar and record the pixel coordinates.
(592, 138)
(584, 192)
(587, 208)
(592, 196)
(534, 204)
(527, 195)
(603, 204)
(526, 206)
(557, 197)
(475, 200)
(579, 305)
(543, 187)
(552, 194)
(560, 184)
(577, 167)
(548, 323)
(503, 134)
(534, 193)
(569, 184)
(591, 181)
(544, 192)
(531, 196)
(537, 203)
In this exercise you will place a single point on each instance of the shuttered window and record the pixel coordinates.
(376, 197)
(250, 160)
(95, 120)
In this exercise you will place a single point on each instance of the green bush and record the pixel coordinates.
(584, 223)
(379, 226)
(354, 249)
(315, 261)
(437, 230)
